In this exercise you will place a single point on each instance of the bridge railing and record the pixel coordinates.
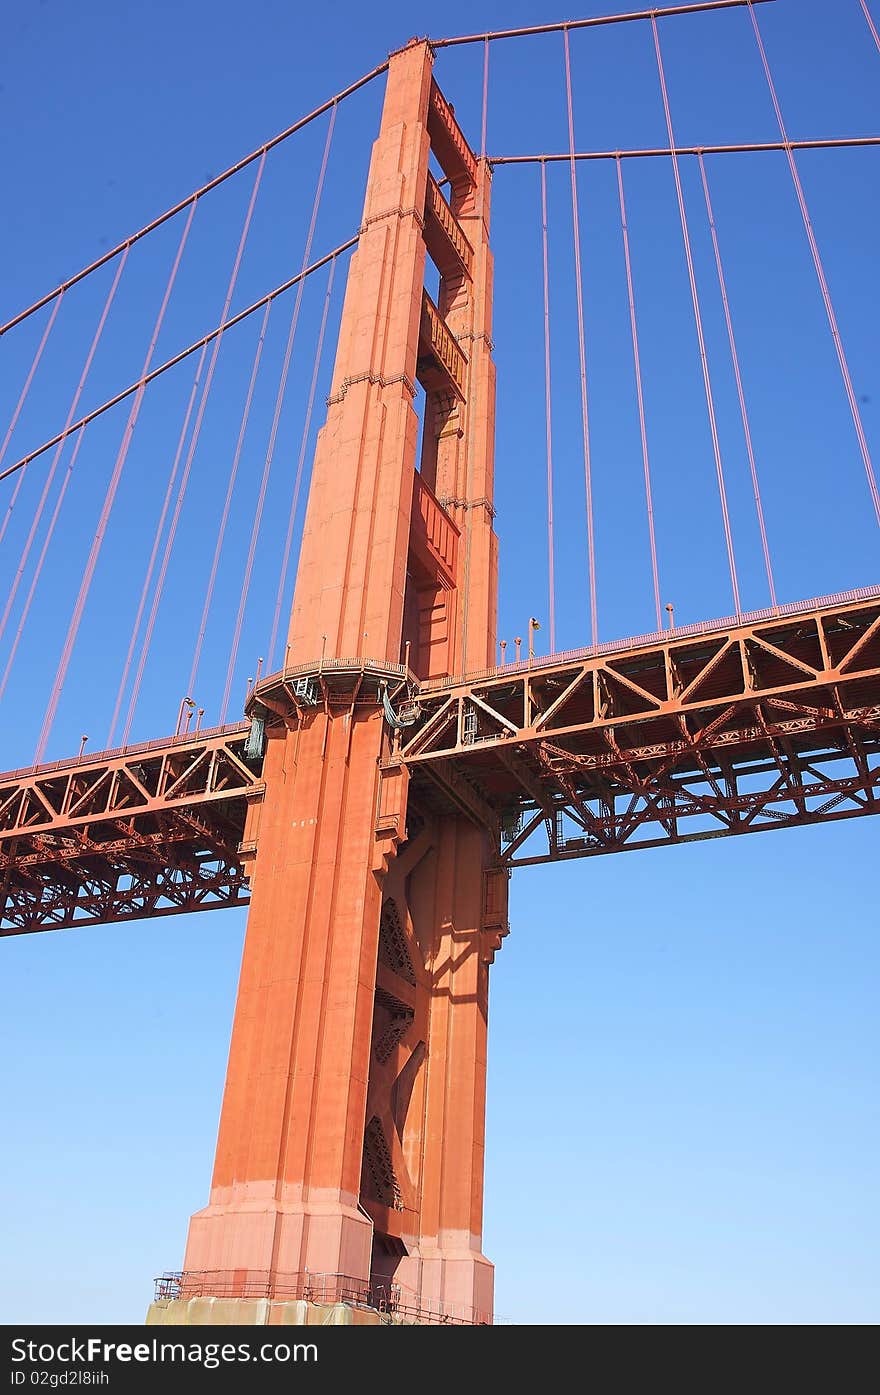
(191, 738)
(614, 646)
(383, 1296)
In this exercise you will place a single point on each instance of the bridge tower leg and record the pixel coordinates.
(350, 1154)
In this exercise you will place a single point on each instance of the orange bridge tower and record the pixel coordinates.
(349, 1162)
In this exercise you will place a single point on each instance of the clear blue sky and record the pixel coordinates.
(683, 1044)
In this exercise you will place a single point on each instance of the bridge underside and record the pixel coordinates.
(737, 729)
(153, 830)
(760, 724)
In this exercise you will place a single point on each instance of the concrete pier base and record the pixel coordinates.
(264, 1312)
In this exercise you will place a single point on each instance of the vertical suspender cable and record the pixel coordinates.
(25, 611)
(485, 112)
(276, 418)
(155, 550)
(551, 581)
(637, 365)
(582, 350)
(191, 450)
(285, 367)
(148, 633)
(820, 273)
(303, 446)
(59, 501)
(753, 469)
(47, 484)
(12, 502)
(18, 406)
(698, 321)
(197, 194)
(227, 503)
(871, 25)
(109, 499)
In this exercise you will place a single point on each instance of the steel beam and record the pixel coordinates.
(761, 723)
(151, 830)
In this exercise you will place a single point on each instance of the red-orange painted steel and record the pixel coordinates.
(155, 373)
(746, 727)
(666, 152)
(820, 274)
(640, 399)
(700, 7)
(153, 830)
(301, 460)
(359, 1151)
(734, 355)
(651, 735)
(22, 397)
(373, 807)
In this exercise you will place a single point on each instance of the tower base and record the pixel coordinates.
(241, 1299)
(265, 1312)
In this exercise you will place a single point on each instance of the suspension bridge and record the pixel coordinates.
(366, 774)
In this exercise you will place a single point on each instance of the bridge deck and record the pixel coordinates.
(151, 830)
(730, 728)
(725, 728)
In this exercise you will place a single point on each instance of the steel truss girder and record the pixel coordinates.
(153, 830)
(126, 893)
(738, 729)
(728, 732)
(177, 773)
(673, 800)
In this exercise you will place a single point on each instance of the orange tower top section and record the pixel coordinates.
(399, 557)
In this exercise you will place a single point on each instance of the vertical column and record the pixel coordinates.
(285, 1191)
(455, 1275)
(352, 568)
(447, 890)
(450, 890)
(465, 459)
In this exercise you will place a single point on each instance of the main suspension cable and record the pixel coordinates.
(197, 194)
(178, 358)
(594, 22)
(25, 611)
(109, 499)
(276, 419)
(47, 485)
(190, 456)
(17, 412)
(665, 151)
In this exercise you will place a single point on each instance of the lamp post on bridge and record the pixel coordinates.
(184, 703)
(533, 625)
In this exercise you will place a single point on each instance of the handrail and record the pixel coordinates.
(433, 686)
(189, 738)
(615, 646)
